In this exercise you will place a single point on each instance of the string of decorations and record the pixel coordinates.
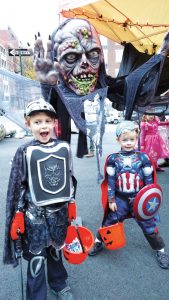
(127, 23)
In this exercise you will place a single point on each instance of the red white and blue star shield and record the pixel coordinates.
(147, 201)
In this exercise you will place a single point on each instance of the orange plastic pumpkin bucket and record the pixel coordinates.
(113, 236)
(85, 239)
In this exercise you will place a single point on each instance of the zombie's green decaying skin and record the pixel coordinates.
(85, 84)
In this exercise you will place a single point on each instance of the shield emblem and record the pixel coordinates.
(147, 201)
(49, 174)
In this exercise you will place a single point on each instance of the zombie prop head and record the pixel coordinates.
(77, 49)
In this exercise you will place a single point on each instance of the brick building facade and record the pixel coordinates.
(8, 40)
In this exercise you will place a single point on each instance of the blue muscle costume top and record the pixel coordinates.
(127, 173)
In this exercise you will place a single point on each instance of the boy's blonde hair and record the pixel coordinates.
(126, 126)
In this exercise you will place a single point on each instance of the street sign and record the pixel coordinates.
(18, 52)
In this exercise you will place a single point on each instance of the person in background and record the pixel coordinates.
(39, 209)
(165, 134)
(91, 149)
(127, 172)
(151, 140)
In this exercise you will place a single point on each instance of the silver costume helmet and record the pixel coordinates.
(39, 105)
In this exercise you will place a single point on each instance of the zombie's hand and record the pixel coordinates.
(17, 225)
(72, 211)
(46, 69)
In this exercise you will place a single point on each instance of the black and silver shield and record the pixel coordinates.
(52, 173)
(49, 174)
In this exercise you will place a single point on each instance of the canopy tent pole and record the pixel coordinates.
(146, 36)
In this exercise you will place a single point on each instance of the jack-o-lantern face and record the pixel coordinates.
(78, 51)
(108, 237)
(113, 236)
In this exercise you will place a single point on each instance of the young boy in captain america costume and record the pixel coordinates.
(40, 204)
(128, 171)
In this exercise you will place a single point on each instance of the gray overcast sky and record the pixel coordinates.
(26, 18)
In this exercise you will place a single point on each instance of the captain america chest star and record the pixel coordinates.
(124, 163)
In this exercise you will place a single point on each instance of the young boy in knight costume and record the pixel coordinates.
(126, 173)
(40, 204)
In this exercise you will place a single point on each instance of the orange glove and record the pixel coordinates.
(17, 225)
(72, 211)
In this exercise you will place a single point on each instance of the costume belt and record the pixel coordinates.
(126, 197)
(34, 212)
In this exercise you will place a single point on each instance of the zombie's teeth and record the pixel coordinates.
(83, 82)
(84, 76)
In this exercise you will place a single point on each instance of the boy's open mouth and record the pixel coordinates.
(44, 134)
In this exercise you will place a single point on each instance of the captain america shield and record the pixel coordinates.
(147, 201)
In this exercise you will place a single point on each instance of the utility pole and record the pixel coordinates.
(20, 61)
(19, 52)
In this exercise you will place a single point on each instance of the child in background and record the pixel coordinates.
(151, 141)
(38, 208)
(164, 130)
(127, 172)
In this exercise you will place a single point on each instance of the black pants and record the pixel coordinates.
(56, 275)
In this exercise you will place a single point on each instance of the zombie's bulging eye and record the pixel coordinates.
(94, 53)
(71, 57)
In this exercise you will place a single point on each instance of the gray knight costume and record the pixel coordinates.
(43, 198)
